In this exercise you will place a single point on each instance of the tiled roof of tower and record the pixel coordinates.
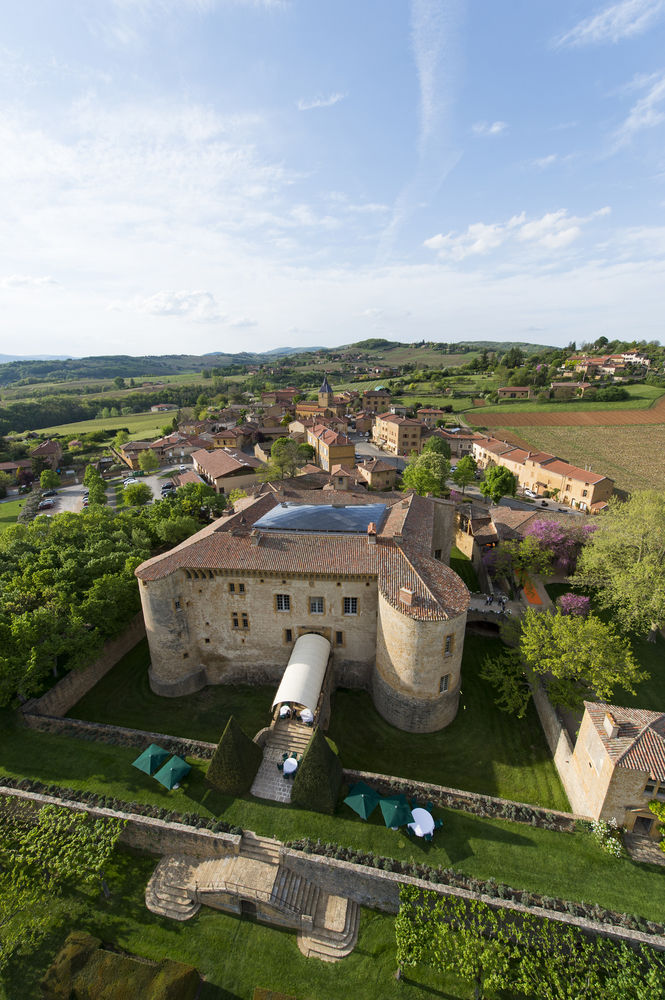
(640, 742)
(399, 558)
(326, 386)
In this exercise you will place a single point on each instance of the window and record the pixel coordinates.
(207, 641)
(176, 605)
(288, 635)
(339, 638)
(443, 683)
(245, 621)
(232, 588)
(437, 553)
(185, 656)
(350, 605)
(448, 645)
(650, 787)
(241, 588)
(316, 605)
(234, 619)
(283, 602)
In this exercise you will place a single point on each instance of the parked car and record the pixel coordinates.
(49, 493)
(129, 482)
(44, 504)
(530, 493)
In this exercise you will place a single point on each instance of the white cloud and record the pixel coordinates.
(625, 19)
(242, 323)
(552, 231)
(320, 102)
(489, 128)
(199, 306)
(545, 161)
(648, 111)
(26, 281)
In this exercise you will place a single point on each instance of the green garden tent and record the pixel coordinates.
(396, 810)
(151, 759)
(362, 799)
(173, 772)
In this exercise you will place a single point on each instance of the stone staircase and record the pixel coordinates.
(168, 893)
(295, 892)
(286, 736)
(260, 848)
(335, 931)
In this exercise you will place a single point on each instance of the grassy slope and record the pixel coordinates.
(642, 397)
(567, 865)
(139, 424)
(233, 955)
(9, 511)
(463, 567)
(484, 750)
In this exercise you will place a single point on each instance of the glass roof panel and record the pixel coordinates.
(322, 518)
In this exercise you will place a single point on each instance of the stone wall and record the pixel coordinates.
(77, 683)
(561, 747)
(143, 833)
(101, 732)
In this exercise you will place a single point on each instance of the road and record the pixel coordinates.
(369, 450)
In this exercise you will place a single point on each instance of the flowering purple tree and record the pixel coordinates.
(563, 541)
(574, 604)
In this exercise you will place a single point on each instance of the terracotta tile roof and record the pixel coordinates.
(640, 742)
(394, 418)
(571, 471)
(130, 446)
(223, 461)
(46, 448)
(376, 465)
(183, 478)
(494, 446)
(329, 436)
(400, 557)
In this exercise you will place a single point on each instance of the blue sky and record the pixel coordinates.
(199, 175)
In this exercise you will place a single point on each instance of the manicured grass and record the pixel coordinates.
(464, 568)
(9, 511)
(558, 864)
(650, 693)
(234, 955)
(139, 425)
(124, 698)
(483, 750)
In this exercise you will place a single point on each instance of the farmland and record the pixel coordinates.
(634, 457)
(138, 424)
(638, 410)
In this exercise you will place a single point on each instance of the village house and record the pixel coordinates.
(618, 766)
(330, 447)
(175, 447)
(226, 469)
(363, 421)
(375, 400)
(379, 475)
(568, 390)
(430, 414)
(514, 392)
(227, 605)
(396, 434)
(129, 452)
(163, 407)
(50, 451)
(459, 439)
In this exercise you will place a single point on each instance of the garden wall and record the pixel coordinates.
(102, 732)
(143, 833)
(77, 683)
(561, 747)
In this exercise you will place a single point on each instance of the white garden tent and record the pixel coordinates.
(303, 678)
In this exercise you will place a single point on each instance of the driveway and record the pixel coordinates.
(366, 449)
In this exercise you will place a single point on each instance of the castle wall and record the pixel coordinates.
(410, 665)
(193, 640)
(444, 528)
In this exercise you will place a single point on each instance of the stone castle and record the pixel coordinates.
(368, 571)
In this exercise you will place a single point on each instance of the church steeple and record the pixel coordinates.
(326, 395)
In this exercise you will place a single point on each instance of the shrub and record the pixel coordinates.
(235, 761)
(318, 780)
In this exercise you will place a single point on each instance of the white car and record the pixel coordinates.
(129, 482)
(530, 493)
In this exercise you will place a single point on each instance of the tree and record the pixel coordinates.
(283, 460)
(318, 780)
(577, 657)
(177, 529)
(91, 475)
(137, 494)
(624, 562)
(39, 860)
(119, 382)
(193, 499)
(305, 453)
(5, 482)
(427, 474)
(574, 604)
(564, 542)
(236, 495)
(39, 463)
(465, 472)
(498, 482)
(49, 480)
(235, 762)
(437, 445)
(148, 461)
(505, 672)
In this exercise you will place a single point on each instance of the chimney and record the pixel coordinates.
(371, 533)
(610, 725)
(406, 596)
(255, 536)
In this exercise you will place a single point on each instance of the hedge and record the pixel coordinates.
(235, 761)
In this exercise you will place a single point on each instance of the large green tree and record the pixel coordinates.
(137, 494)
(465, 472)
(624, 561)
(498, 482)
(49, 479)
(427, 473)
(577, 657)
(283, 460)
(148, 461)
(437, 445)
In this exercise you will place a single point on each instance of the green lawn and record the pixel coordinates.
(9, 511)
(139, 425)
(641, 398)
(464, 568)
(558, 864)
(124, 698)
(650, 693)
(483, 750)
(234, 955)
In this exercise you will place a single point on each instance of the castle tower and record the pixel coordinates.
(326, 395)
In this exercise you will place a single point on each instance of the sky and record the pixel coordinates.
(187, 176)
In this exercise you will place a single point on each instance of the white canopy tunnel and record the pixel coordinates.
(303, 678)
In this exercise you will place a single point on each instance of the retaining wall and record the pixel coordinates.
(561, 747)
(118, 735)
(77, 683)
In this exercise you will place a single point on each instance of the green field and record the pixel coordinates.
(139, 425)
(641, 398)
(9, 511)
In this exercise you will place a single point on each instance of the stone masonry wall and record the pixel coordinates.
(119, 735)
(561, 748)
(77, 683)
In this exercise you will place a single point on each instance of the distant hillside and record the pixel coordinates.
(6, 358)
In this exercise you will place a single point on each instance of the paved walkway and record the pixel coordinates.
(286, 736)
